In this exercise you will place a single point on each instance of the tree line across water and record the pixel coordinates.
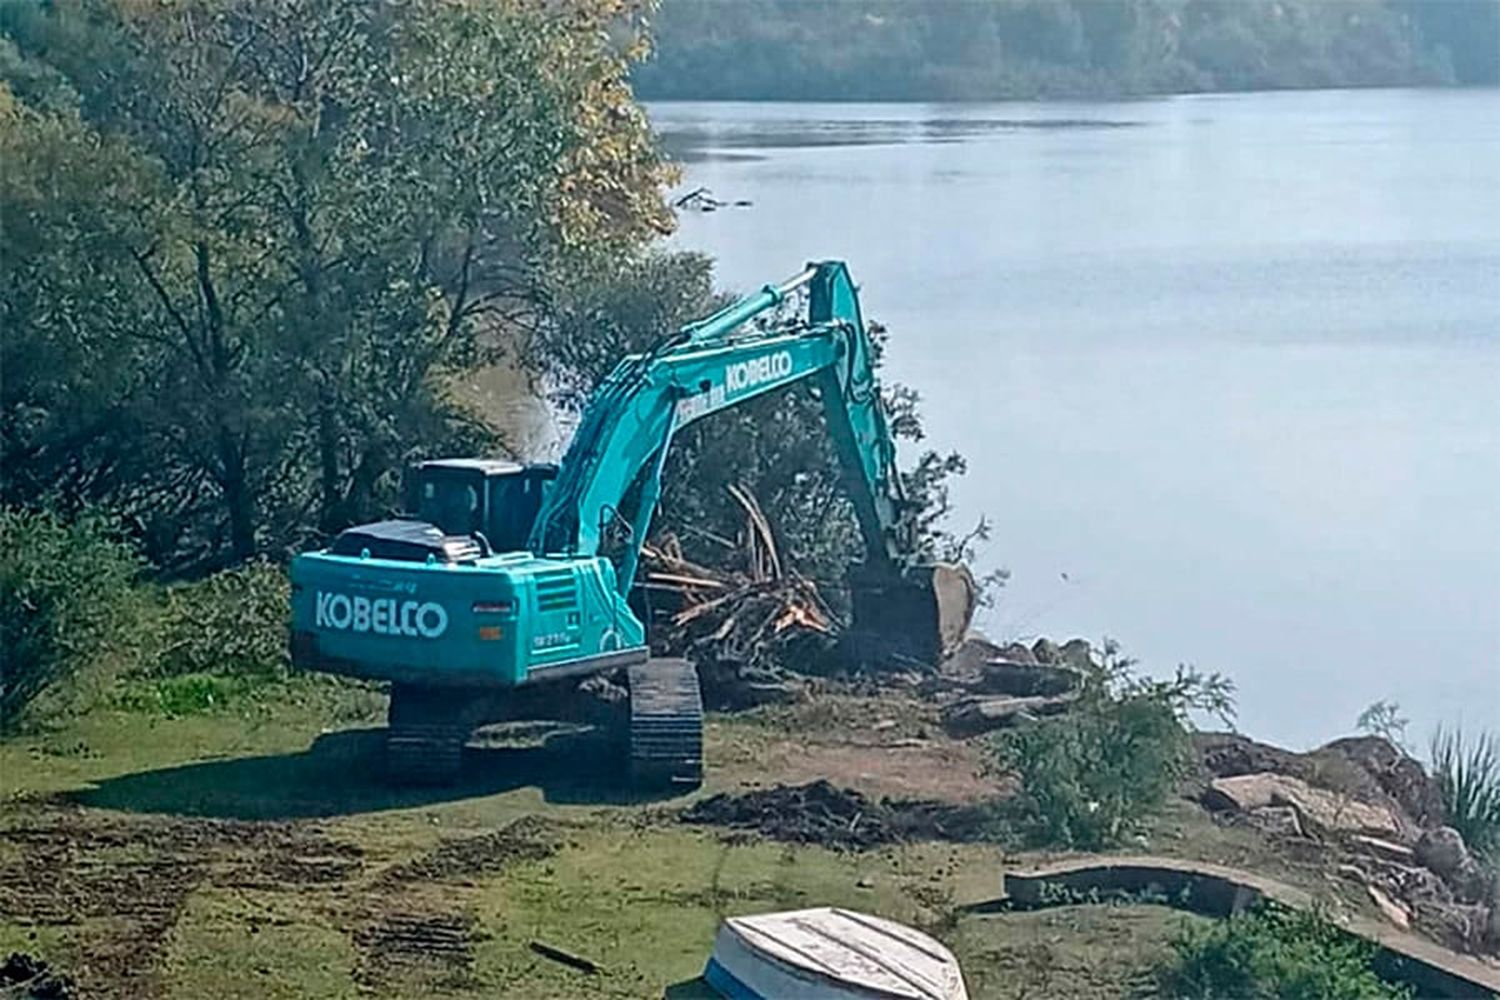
(894, 50)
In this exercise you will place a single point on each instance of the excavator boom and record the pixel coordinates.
(432, 606)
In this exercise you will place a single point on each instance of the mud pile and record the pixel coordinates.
(840, 818)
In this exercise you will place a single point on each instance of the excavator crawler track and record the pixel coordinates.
(424, 741)
(666, 725)
(424, 755)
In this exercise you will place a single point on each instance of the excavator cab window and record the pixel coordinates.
(453, 499)
(515, 498)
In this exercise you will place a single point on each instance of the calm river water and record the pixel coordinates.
(1226, 368)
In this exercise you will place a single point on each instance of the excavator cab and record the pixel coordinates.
(478, 496)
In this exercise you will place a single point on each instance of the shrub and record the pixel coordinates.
(1468, 776)
(1272, 952)
(66, 594)
(234, 622)
(1093, 775)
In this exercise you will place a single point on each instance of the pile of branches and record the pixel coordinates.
(749, 630)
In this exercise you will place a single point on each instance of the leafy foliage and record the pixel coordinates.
(986, 49)
(233, 622)
(1092, 775)
(249, 241)
(66, 594)
(1272, 952)
(1384, 719)
(1467, 768)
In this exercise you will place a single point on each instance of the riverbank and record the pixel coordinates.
(251, 850)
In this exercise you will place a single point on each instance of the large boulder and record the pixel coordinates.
(1046, 651)
(1343, 768)
(1442, 851)
(971, 654)
(1399, 775)
(972, 716)
(1005, 677)
(1319, 811)
(1017, 652)
(1078, 654)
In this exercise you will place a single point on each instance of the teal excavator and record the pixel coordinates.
(492, 600)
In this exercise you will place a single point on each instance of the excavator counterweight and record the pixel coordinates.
(494, 601)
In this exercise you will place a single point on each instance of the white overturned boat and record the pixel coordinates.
(829, 954)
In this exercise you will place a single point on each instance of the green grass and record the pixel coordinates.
(1269, 952)
(626, 887)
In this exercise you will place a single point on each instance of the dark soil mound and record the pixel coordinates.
(840, 818)
(25, 977)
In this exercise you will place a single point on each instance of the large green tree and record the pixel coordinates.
(247, 241)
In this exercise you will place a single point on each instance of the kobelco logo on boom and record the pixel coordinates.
(745, 374)
(382, 615)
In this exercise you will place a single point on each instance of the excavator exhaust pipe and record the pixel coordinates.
(918, 617)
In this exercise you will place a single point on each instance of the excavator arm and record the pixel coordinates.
(725, 360)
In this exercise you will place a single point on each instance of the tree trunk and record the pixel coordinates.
(237, 498)
(331, 506)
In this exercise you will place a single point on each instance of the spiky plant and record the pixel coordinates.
(1467, 767)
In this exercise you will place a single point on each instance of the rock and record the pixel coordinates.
(1390, 909)
(973, 716)
(1078, 654)
(1493, 926)
(1017, 652)
(1459, 926)
(972, 653)
(1318, 810)
(865, 883)
(1006, 677)
(1472, 882)
(1442, 850)
(1230, 755)
(1398, 774)
(1046, 651)
(1280, 821)
(1385, 849)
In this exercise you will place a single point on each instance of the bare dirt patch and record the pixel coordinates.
(526, 839)
(880, 741)
(404, 933)
(69, 865)
(839, 818)
(943, 772)
(403, 944)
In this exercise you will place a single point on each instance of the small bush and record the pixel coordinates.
(234, 622)
(1468, 776)
(187, 694)
(67, 594)
(1092, 775)
(1271, 952)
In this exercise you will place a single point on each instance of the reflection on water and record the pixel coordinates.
(1227, 368)
(693, 139)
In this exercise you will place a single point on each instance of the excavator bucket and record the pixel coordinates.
(919, 616)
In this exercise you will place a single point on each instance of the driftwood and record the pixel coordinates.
(565, 958)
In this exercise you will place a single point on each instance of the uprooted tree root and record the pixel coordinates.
(744, 628)
(840, 818)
